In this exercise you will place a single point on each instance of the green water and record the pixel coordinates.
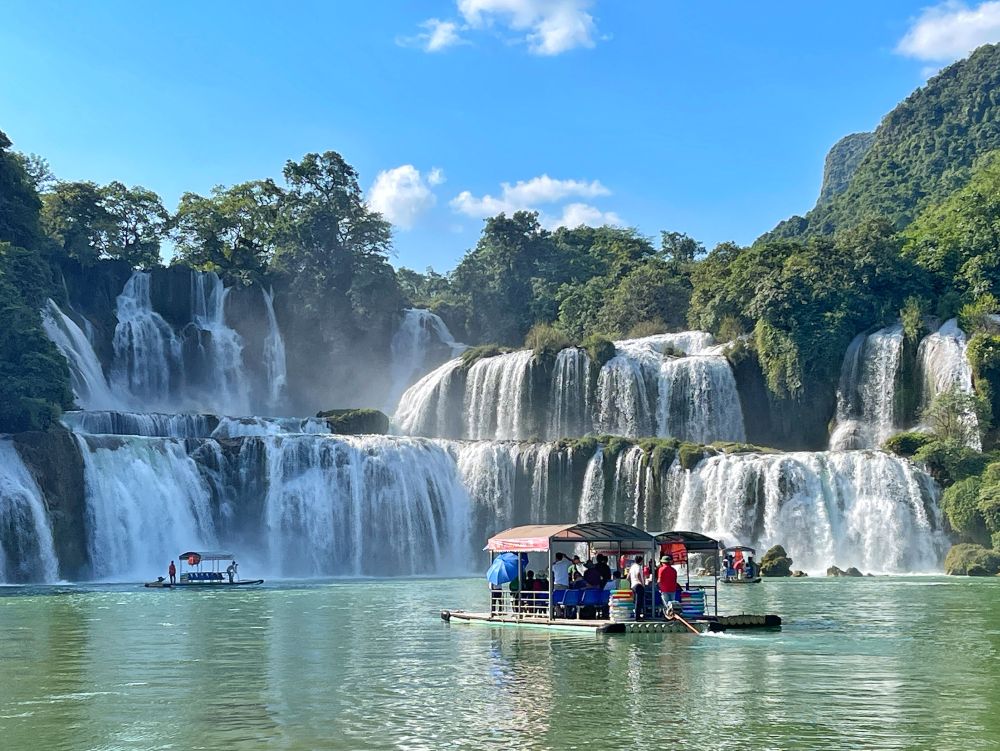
(880, 663)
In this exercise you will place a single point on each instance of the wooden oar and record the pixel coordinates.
(692, 629)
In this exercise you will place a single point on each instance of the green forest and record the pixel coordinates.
(907, 227)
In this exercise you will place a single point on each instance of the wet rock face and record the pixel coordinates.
(356, 421)
(54, 460)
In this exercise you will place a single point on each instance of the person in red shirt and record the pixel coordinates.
(172, 571)
(666, 581)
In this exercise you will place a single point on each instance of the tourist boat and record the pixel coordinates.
(203, 572)
(597, 610)
(732, 573)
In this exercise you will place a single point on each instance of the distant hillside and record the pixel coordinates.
(842, 162)
(921, 152)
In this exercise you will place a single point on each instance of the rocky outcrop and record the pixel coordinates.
(841, 162)
(968, 559)
(799, 574)
(356, 421)
(776, 563)
(54, 460)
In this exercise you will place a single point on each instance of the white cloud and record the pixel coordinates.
(402, 194)
(552, 26)
(526, 194)
(438, 35)
(531, 195)
(577, 214)
(951, 30)
(435, 176)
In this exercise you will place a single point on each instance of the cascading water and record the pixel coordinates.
(146, 503)
(378, 506)
(27, 552)
(943, 365)
(570, 402)
(857, 508)
(275, 362)
(866, 395)
(421, 343)
(424, 409)
(495, 404)
(219, 346)
(698, 400)
(146, 350)
(592, 495)
(90, 386)
(150, 424)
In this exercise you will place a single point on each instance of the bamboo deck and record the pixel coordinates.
(715, 624)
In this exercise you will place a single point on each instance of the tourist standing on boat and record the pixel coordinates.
(231, 571)
(638, 584)
(172, 573)
(560, 572)
(666, 581)
(603, 569)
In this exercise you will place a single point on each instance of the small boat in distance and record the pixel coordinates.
(203, 572)
(739, 566)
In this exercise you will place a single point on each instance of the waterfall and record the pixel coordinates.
(629, 500)
(146, 503)
(570, 413)
(421, 343)
(27, 552)
(220, 347)
(150, 424)
(275, 363)
(592, 494)
(866, 395)
(146, 350)
(237, 427)
(624, 405)
(424, 409)
(698, 400)
(372, 505)
(943, 365)
(90, 387)
(857, 508)
(495, 406)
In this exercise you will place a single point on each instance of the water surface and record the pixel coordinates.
(886, 663)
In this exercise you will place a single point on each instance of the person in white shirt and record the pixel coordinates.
(560, 572)
(638, 583)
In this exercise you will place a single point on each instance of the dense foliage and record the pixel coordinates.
(584, 281)
(923, 150)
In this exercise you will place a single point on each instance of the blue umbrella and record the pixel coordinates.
(504, 568)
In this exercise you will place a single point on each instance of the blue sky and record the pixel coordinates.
(707, 118)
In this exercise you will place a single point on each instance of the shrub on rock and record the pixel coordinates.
(356, 421)
(966, 559)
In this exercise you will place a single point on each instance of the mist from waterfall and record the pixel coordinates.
(27, 551)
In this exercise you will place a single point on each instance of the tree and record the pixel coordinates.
(34, 378)
(138, 224)
(953, 416)
(19, 202)
(680, 249)
(75, 217)
(653, 291)
(232, 232)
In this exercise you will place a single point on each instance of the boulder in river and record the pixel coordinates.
(776, 563)
(799, 574)
(852, 571)
(834, 571)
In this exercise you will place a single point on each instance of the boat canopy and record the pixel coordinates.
(542, 536)
(206, 556)
(740, 548)
(693, 542)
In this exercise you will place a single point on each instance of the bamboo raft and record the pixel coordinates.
(710, 624)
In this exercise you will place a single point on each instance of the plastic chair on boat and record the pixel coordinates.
(571, 602)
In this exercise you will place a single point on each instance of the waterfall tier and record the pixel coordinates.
(421, 343)
(870, 400)
(673, 385)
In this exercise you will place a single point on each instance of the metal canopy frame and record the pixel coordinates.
(694, 542)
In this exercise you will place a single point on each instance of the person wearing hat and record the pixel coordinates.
(666, 581)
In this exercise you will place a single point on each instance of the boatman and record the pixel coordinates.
(666, 581)
(231, 571)
(172, 572)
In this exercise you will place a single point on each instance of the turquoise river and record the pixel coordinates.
(875, 663)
